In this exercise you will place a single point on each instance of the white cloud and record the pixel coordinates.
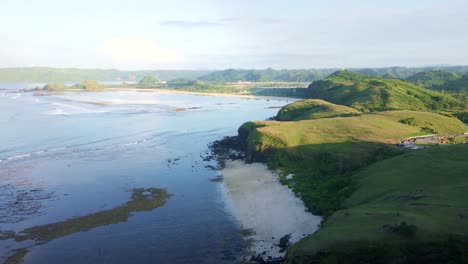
(133, 52)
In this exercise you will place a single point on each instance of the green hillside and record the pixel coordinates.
(455, 86)
(149, 80)
(380, 203)
(86, 85)
(55, 87)
(408, 209)
(323, 152)
(389, 75)
(429, 79)
(368, 93)
(313, 109)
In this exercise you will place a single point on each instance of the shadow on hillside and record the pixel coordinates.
(323, 173)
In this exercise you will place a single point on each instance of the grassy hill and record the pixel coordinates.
(380, 203)
(368, 93)
(429, 79)
(455, 86)
(149, 80)
(408, 209)
(313, 109)
(86, 85)
(323, 152)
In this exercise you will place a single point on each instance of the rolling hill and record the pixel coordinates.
(407, 209)
(455, 86)
(368, 93)
(429, 79)
(313, 109)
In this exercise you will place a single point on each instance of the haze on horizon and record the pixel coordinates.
(213, 34)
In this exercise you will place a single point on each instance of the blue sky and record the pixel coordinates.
(208, 34)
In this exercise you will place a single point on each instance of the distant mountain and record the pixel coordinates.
(368, 93)
(44, 74)
(310, 75)
(429, 79)
(267, 75)
(406, 72)
(389, 75)
(455, 86)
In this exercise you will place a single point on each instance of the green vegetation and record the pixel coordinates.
(411, 207)
(455, 86)
(268, 75)
(44, 74)
(141, 200)
(463, 116)
(433, 78)
(149, 81)
(380, 203)
(389, 75)
(368, 93)
(323, 152)
(411, 121)
(87, 85)
(313, 109)
(309, 75)
(405, 72)
(55, 87)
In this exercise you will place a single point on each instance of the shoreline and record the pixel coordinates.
(149, 90)
(274, 216)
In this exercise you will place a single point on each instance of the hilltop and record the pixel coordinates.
(149, 80)
(313, 109)
(429, 79)
(369, 93)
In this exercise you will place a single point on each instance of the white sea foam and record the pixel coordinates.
(261, 203)
(19, 156)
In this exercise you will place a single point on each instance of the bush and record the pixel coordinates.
(411, 121)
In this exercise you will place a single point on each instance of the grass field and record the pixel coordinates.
(380, 203)
(313, 109)
(427, 190)
(323, 153)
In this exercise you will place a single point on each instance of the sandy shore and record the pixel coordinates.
(271, 210)
(171, 91)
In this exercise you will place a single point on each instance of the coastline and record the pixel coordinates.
(118, 89)
(272, 216)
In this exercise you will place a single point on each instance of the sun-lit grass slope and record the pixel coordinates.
(313, 109)
(411, 208)
(368, 93)
(433, 78)
(380, 127)
(323, 152)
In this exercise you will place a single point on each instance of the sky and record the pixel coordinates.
(219, 34)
